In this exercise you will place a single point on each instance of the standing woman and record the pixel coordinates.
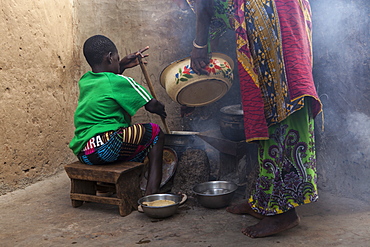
(279, 100)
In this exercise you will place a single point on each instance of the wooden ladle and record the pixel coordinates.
(151, 88)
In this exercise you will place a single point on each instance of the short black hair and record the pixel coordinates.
(96, 47)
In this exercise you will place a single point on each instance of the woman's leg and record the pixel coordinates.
(287, 176)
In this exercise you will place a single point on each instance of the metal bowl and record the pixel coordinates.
(160, 212)
(215, 194)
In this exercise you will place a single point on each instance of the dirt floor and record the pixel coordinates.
(42, 215)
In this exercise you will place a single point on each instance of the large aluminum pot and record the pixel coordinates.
(189, 89)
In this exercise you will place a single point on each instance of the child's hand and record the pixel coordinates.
(131, 60)
(154, 106)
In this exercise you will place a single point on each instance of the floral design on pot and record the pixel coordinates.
(214, 67)
(184, 74)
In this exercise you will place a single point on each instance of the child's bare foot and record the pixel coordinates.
(271, 225)
(244, 208)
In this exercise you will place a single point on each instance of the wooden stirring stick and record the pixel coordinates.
(151, 89)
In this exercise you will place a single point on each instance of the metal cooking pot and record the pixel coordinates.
(232, 123)
(182, 140)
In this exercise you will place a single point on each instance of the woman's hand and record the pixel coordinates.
(199, 60)
(199, 54)
(131, 60)
(154, 106)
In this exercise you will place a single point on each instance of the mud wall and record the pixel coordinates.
(36, 90)
(42, 61)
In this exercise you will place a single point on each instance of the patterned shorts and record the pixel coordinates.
(125, 144)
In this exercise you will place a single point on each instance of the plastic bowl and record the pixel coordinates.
(189, 89)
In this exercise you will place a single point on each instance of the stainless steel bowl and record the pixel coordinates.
(160, 212)
(215, 194)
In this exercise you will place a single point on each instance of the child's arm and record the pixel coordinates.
(154, 106)
(131, 60)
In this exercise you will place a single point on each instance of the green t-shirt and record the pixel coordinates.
(106, 102)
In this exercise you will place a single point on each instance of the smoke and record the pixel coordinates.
(342, 29)
(342, 76)
(357, 133)
(341, 56)
(333, 15)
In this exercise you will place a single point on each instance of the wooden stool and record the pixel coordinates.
(124, 176)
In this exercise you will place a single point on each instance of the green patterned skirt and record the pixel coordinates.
(287, 162)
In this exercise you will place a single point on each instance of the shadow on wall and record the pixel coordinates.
(342, 75)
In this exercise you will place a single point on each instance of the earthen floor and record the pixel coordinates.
(42, 215)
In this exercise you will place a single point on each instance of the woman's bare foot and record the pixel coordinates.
(271, 225)
(244, 208)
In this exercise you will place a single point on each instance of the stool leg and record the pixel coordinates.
(128, 190)
(82, 187)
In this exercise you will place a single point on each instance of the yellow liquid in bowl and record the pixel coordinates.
(159, 203)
